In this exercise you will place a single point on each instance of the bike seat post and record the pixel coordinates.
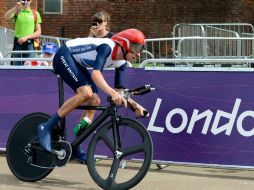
(61, 102)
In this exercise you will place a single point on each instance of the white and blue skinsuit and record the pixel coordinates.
(72, 60)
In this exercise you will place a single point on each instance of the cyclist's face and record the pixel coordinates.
(132, 56)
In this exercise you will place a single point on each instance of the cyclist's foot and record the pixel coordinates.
(45, 136)
(79, 155)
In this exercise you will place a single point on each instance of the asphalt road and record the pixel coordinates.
(75, 177)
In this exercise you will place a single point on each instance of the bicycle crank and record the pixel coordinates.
(60, 155)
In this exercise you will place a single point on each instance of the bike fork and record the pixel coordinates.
(117, 152)
(116, 137)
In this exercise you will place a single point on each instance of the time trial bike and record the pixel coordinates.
(114, 137)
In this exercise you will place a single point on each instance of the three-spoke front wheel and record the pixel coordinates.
(134, 144)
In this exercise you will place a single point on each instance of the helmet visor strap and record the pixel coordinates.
(124, 53)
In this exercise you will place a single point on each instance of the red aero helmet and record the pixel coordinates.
(130, 39)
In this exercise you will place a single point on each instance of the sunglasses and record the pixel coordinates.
(24, 2)
(136, 48)
(98, 20)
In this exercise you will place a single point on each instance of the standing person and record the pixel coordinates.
(27, 28)
(71, 62)
(100, 26)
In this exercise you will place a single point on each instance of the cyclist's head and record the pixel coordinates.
(130, 40)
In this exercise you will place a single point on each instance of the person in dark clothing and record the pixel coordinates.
(100, 26)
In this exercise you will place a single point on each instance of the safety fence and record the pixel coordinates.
(207, 30)
(189, 41)
(6, 43)
(232, 50)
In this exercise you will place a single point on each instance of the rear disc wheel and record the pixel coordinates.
(23, 133)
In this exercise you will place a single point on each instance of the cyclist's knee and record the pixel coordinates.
(84, 93)
(96, 100)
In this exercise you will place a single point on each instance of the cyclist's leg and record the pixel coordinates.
(83, 93)
(94, 101)
(67, 68)
(79, 153)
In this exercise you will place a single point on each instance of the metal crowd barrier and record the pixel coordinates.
(207, 30)
(213, 47)
(7, 37)
(226, 45)
(206, 61)
(8, 55)
(191, 29)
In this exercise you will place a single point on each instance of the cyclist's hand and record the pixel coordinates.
(140, 111)
(119, 99)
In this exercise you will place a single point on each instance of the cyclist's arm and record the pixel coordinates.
(102, 84)
(134, 106)
(99, 80)
(138, 109)
(103, 51)
(119, 76)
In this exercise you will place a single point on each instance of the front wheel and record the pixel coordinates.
(24, 133)
(135, 143)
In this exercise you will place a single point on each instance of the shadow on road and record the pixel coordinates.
(206, 172)
(47, 183)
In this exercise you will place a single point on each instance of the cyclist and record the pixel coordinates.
(71, 62)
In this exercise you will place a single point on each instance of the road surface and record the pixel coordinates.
(75, 176)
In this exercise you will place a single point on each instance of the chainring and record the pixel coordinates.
(65, 148)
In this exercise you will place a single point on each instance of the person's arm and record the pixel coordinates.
(99, 80)
(134, 106)
(103, 51)
(138, 109)
(103, 85)
(11, 12)
(119, 76)
(36, 34)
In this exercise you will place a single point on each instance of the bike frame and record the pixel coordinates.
(107, 111)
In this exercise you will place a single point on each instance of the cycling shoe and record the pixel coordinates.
(45, 136)
(79, 155)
